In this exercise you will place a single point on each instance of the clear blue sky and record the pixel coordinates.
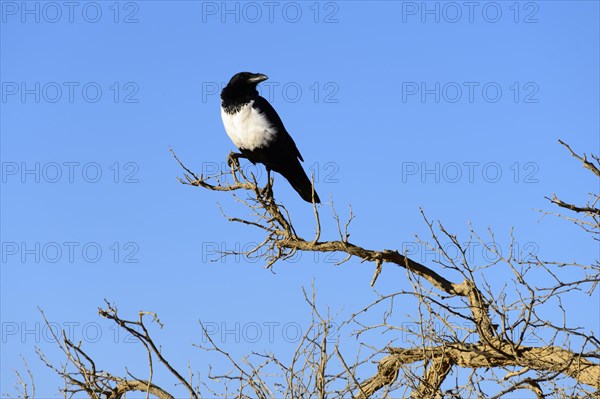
(453, 109)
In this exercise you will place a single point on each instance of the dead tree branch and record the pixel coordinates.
(459, 319)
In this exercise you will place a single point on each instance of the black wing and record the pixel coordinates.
(284, 140)
(282, 155)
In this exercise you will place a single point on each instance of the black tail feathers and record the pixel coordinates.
(301, 183)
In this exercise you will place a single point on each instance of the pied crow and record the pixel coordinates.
(257, 131)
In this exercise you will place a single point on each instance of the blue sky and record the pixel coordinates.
(394, 106)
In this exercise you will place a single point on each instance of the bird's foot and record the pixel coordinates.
(233, 159)
(267, 191)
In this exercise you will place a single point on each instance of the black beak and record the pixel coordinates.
(257, 78)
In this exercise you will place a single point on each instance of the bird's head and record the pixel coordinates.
(243, 85)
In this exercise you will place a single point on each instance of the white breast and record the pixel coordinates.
(248, 128)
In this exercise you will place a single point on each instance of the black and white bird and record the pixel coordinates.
(256, 129)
